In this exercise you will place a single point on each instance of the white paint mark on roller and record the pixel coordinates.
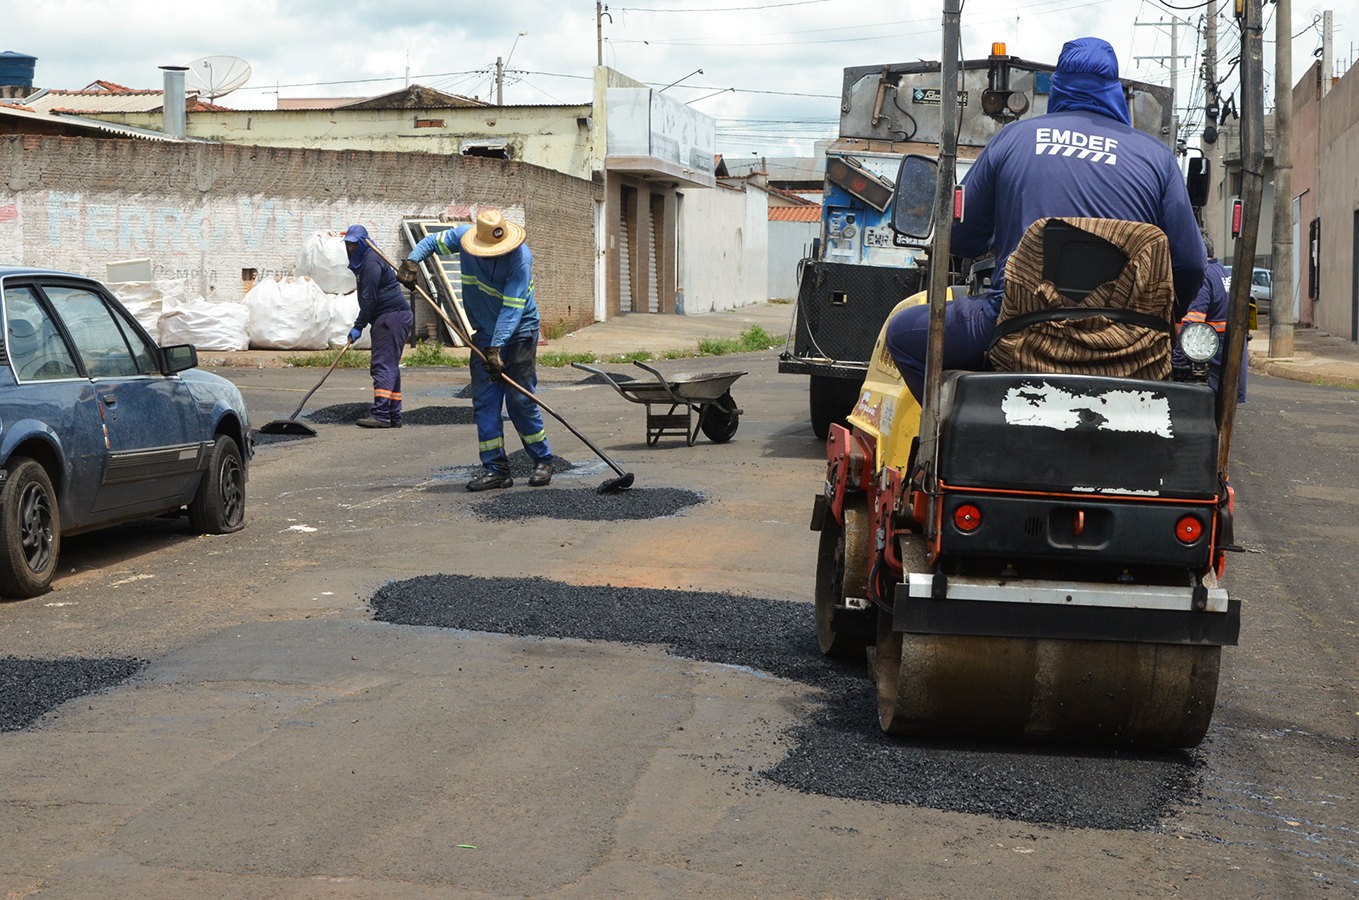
(1048, 406)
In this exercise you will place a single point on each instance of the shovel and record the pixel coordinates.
(612, 485)
(290, 425)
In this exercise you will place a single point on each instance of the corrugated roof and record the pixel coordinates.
(87, 125)
(109, 100)
(795, 213)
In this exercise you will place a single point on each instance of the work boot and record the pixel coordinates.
(542, 473)
(490, 480)
(370, 422)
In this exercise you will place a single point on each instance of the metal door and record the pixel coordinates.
(624, 258)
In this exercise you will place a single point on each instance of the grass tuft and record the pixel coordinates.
(430, 353)
(752, 339)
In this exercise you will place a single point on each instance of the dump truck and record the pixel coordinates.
(1031, 553)
(860, 269)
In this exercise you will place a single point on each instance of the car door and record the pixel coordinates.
(50, 397)
(154, 450)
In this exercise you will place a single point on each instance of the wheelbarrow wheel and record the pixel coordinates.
(720, 419)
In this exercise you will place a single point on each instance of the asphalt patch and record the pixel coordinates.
(349, 413)
(31, 688)
(587, 505)
(261, 438)
(838, 749)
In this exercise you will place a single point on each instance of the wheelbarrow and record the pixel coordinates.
(705, 398)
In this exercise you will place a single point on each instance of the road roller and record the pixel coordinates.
(1036, 555)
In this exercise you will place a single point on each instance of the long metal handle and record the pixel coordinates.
(297, 412)
(505, 378)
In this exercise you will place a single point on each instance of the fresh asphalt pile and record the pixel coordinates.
(587, 505)
(31, 688)
(261, 438)
(838, 749)
(617, 377)
(349, 413)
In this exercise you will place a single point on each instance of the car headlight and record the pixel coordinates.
(1199, 341)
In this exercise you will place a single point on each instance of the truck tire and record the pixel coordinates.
(831, 401)
(30, 530)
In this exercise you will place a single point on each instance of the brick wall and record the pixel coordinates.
(205, 212)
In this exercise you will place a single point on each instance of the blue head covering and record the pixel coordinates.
(358, 236)
(1087, 78)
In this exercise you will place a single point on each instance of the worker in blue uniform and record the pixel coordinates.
(497, 294)
(1211, 305)
(1083, 158)
(384, 306)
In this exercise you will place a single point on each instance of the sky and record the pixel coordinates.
(783, 58)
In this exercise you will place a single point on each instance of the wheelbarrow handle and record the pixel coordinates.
(605, 375)
(664, 384)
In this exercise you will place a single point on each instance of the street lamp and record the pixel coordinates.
(500, 71)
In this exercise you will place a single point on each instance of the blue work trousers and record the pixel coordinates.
(389, 334)
(520, 357)
(969, 325)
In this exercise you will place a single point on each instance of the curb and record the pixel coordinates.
(1260, 364)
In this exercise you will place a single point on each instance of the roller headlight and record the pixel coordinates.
(1199, 341)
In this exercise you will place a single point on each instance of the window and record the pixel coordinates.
(1236, 184)
(35, 345)
(144, 354)
(1260, 278)
(97, 336)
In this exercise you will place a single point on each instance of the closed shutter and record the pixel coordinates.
(653, 295)
(624, 264)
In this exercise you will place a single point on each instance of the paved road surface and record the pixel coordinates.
(281, 743)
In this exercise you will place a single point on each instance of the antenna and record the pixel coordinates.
(218, 76)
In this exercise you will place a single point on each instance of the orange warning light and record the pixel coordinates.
(997, 49)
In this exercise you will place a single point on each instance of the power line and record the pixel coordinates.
(719, 9)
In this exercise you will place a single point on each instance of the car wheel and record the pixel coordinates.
(219, 505)
(30, 530)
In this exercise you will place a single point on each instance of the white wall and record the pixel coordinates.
(725, 261)
(789, 242)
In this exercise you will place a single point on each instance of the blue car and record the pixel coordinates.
(98, 425)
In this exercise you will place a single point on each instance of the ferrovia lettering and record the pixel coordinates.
(1094, 147)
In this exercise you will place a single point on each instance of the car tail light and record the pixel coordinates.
(1189, 529)
(967, 517)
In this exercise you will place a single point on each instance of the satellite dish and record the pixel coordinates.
(218, 76)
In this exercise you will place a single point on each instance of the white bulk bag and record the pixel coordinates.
(288, 314)
(145, 300)
(323, 259)
(208, 326)
(344, 309)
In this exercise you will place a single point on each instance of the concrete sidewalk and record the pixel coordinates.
(624, 333)
(1318, 358)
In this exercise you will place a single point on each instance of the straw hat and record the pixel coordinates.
(492, 235)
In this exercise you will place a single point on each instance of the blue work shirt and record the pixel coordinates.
(1076, 163)
(1211, 305)
(497, 291)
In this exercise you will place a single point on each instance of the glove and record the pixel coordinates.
(492, 364)
(355, 334)
(406, 275)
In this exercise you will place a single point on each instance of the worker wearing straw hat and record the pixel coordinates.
(497, 294)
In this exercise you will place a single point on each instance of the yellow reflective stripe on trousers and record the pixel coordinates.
(491, 445)
(534, 438)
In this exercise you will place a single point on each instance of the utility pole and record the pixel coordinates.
(1327, 53)
(499, 82)
(1212, 110)
(599, 29)
(1174, 58)
(1281, 302)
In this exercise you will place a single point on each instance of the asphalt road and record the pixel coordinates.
(280, 741)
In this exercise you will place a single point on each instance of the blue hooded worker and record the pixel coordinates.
(497, 294)
(383, 305)
(1083, 158)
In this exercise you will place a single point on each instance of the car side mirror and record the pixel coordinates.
(913, 196)
(178, 358)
